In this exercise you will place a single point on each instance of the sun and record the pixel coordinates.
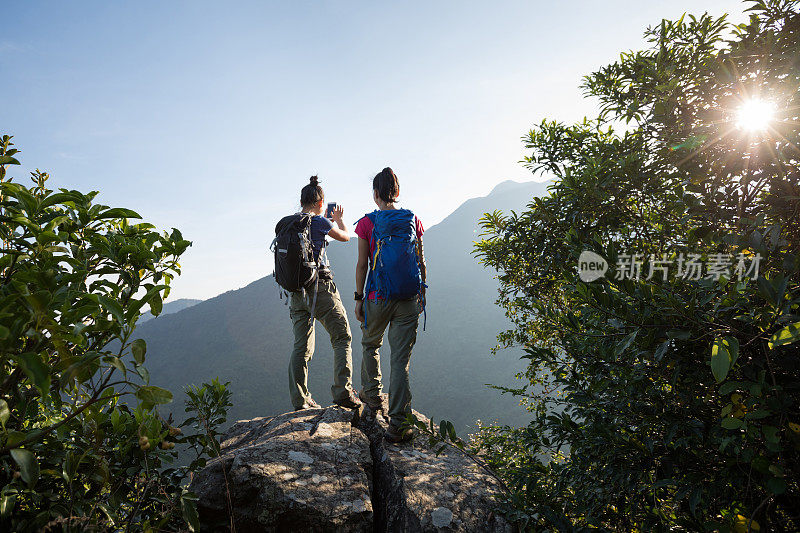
(755, 115)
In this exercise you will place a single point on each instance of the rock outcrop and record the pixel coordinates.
(330, 470)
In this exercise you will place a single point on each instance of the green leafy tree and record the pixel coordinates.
(82, 446)
(662, 402)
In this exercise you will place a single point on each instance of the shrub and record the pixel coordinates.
(82, 446)
(662, 403)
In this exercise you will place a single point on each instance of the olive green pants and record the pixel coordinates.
(330, 312)
(402, 318)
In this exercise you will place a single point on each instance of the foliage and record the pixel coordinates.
(82, 445)
(668, 402)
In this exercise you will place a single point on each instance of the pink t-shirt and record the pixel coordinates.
(364, 231)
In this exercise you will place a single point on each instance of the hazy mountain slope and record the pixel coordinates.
(244, 336)
(169, 308)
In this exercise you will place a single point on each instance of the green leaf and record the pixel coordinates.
(767, 290)
(776, 485)
(661, 350)
(115, 417)
(694, 499)
(680, 335)
(758, 414)
(156, 305)
(732, 423)
(113, 307)
(151, 395)
(47, 237)
(733, 349)
(771, 434)
(625, 343)
(8, 160)
(189, 510)
(724, 353)
(138, 349)
(5, 413)
(60, 197)
(118, 364)
(28, 465)
(36, 370)
(729, 387)
(15, 437)
(451, 432)
(136, 305)
(720, 360)
(143, 373)
(7, 502)
(118, 212)
(787, 335)
(39, 300)
(4, 332)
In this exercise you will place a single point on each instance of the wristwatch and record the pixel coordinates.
(358, 296)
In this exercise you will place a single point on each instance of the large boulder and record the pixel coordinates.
(330, 470)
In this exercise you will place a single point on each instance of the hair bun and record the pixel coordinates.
(311, 193)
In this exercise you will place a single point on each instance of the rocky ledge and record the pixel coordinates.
(330, 470)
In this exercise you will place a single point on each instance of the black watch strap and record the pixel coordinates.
(358, 296)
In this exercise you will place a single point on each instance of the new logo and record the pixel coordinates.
(591, 266)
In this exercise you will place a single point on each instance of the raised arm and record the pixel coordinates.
(340, 232)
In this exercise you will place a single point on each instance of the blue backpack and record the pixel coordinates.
(394, 272)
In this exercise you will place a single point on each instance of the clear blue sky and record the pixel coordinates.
(210, 116)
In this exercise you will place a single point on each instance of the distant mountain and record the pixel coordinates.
(169, 308)
(245, 336)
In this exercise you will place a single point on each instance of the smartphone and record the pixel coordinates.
(329, 210)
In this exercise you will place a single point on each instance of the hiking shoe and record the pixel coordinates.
(376, 404)
(310, 404)
(351, 402)
(395, 435)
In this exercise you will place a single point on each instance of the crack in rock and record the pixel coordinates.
(331, 470)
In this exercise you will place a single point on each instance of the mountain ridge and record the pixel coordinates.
(170, 307)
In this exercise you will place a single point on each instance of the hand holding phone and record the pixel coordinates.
(329, 210)
(336, 212)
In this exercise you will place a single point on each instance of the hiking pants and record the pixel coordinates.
(330, 312)
(402, 317)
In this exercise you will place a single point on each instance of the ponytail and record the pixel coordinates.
(387, 186)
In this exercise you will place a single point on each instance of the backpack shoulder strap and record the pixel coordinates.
(366, 215)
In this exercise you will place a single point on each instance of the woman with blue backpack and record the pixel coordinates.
(390, 292)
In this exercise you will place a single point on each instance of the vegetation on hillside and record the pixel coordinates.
(671, 402)
(82, 445)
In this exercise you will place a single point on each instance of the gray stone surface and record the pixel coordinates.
(330, 470)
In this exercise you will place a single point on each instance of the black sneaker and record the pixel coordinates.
(395, 435)
(376, 404)
(351, 402)
(310, 404)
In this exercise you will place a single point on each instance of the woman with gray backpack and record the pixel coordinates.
(301, 269)
(390, 292)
